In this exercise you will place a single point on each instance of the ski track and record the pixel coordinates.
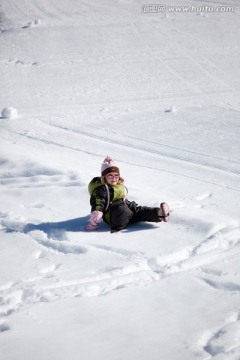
(141, 148)
(149, 150)
(195, 59)
(137, 269)
(226, 169)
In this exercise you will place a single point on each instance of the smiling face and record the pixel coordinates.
(112, 178)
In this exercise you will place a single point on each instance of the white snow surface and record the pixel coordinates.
(160, 93)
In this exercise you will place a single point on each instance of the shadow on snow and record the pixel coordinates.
(56, 230)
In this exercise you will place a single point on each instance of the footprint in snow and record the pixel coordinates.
(222, 285)
(210, 271)
(224, 341)
(10, 301)
(4, 327)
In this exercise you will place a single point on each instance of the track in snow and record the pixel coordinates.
(235, 168)
(139, 145)
(129, 268)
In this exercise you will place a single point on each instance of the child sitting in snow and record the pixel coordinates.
(109, 203)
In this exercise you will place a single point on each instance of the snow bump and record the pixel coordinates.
(9, 113)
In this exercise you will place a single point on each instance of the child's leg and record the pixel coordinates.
(120, 215)
(144, 213)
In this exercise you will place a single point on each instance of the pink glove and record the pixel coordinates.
(95, 219)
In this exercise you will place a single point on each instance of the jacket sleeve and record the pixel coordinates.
(98, 199)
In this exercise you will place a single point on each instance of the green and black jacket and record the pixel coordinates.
(102, 196)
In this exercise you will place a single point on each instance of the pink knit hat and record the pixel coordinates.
(109, 166)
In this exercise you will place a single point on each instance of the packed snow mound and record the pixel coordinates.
(9, 113)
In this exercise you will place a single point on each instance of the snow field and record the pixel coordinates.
(160, 93)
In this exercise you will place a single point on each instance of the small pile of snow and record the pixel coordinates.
(171, 109)
(9, 113)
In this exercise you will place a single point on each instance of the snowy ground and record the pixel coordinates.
(160, 92)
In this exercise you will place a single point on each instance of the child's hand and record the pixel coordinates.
(95, 219)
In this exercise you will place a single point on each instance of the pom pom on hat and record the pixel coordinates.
(109, 166)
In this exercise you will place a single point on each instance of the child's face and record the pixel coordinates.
(112, 178)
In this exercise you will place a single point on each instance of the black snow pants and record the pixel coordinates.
(127, 212)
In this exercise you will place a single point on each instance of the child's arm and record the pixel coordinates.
(98, 202)
(95, 219)
(99, 199)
